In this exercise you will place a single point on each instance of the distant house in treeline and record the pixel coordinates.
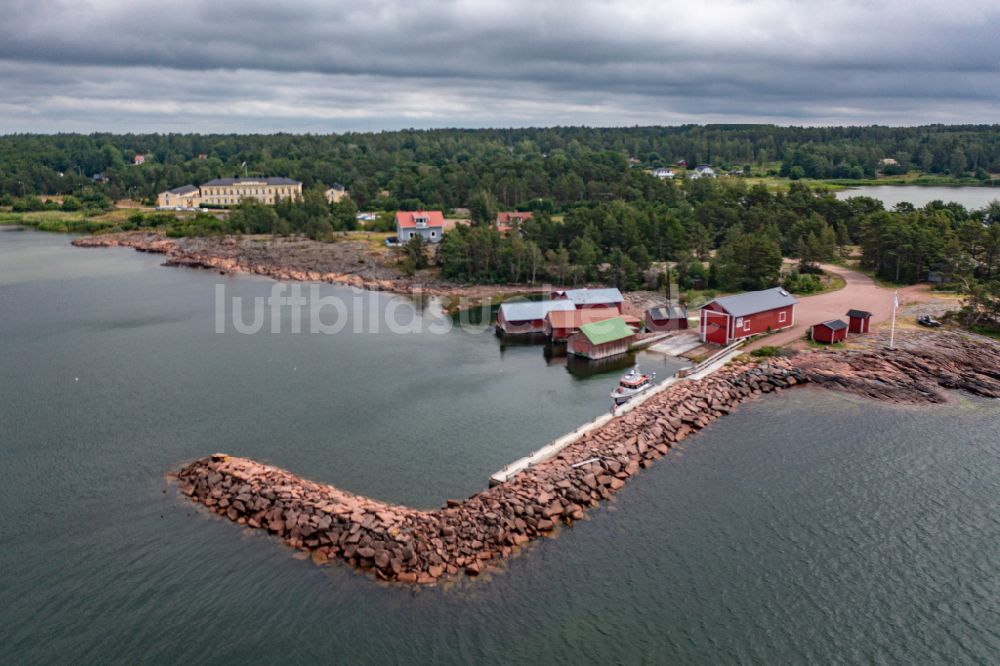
(507, 219)
(426, 223)
(139, 159)
(231, 191)
(335, 193)
(186, 196)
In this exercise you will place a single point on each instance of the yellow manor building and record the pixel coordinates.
(229, 192)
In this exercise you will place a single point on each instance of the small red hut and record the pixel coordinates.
(829, 332)
(859, 321)
(667, 318)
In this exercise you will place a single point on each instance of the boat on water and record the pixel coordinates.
(632, 384)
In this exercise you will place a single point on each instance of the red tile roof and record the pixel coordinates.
(577, 318)
(505, 218)
(404, 218)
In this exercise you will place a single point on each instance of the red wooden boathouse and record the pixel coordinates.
(526, 317)
(560, 324)
(601, 339)
(730, 318)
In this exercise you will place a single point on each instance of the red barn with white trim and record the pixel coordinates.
(730, 318)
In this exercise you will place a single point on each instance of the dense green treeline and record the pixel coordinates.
(728, 235)
(527, 168)
(741, 231)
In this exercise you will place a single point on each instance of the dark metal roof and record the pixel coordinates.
(669, 312)
(751, 302)
(859, 314)
(183, 189)
(218, 182)
(834, 324)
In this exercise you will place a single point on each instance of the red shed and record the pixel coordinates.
(831, 331)
(859, 320)
(730, 318)
(666, 318)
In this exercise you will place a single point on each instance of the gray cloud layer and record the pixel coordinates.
(312, 65)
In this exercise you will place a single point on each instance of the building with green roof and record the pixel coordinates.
(601, 339)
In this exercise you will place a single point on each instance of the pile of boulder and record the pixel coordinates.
(412, 546)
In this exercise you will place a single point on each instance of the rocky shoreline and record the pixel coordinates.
(405, 545)
(349, 263)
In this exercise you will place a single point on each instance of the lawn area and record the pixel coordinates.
(779, 183)
(67, 222)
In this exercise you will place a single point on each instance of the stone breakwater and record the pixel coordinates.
(411, 546)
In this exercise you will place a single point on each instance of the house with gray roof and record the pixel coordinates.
(728, 319)
(185, 196)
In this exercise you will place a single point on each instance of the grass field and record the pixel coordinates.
(65, 222)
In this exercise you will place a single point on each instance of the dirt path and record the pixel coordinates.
(860, 293)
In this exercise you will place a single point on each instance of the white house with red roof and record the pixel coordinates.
(507, 219)
(426, 223)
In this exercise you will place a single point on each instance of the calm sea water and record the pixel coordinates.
(805, 528)
(920, 195)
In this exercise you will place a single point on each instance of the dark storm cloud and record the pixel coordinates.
(316, 65)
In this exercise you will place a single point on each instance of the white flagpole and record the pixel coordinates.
(892, 330)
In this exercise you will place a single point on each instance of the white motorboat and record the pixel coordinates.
(632, 384)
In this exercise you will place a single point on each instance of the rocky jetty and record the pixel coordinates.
(412, 546)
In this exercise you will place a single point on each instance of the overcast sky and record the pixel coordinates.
(331, 66)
